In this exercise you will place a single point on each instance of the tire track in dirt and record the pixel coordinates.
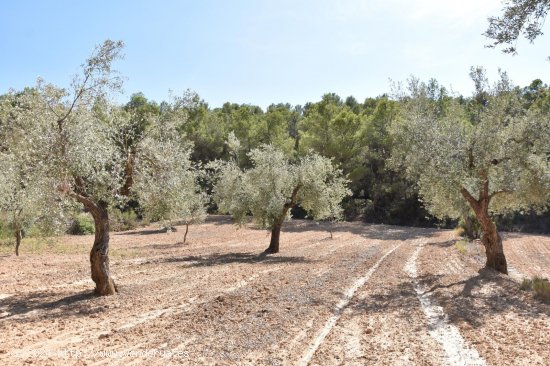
(151, 315)
(314, 273)
(457, 350)
(340, 306)
(182, 308)
(306, 274)
(78, 336)
(382, 325)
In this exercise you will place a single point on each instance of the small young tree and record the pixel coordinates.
(274, 185)
(494, 162)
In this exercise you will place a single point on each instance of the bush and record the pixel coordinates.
(462, 246)
(526, 285)
(540, 286)
(82, 224)
(123, 220)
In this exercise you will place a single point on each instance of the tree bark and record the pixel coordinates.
(490, 237)
(99, 255)
(186, 231)
(274, 242)
(493, 244)
(18, 237)
(276, 230)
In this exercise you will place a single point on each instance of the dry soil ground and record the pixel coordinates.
(372, 295)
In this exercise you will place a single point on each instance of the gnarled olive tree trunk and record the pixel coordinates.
(490, 237)
(275, 236)
(492, 242)
(99, 255)
(276, 229)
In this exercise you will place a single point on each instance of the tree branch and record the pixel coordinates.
(471, 200)
(76, 98)
(293, 197)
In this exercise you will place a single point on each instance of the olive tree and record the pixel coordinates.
(274, 185)
(26, 196)
(75, 136)
(162, 156)
(496, 162)
(17, 197)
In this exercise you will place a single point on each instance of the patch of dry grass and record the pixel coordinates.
(541, 287)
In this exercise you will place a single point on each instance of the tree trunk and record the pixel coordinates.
(99, 255)
(18, 237)
(490, 238)
(493, 244)
(468, 226)
(274, 243)
(186, 231)
(276, 230)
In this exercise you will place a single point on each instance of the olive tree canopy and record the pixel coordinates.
(494, 162)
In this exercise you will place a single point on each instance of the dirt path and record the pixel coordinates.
(457, 352)
(373, 294)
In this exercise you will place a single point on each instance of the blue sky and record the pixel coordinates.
(261, 52)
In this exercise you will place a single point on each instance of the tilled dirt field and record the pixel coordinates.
(371, 295)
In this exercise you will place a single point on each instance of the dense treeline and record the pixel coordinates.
(355, 134)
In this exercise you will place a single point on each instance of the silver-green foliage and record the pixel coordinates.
(274, 184)
(166, 183)
(27, 195)
(445, 151)
(75, 143)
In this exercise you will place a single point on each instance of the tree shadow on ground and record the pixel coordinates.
(474, 300)
(218, 259)
(40, 301)
(443, 244)
(142, 232)
(369, 231)
(219, 219)
(177, 245)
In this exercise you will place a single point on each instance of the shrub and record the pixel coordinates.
(540, 286)
(123, 220)
(459, 231)
(82, 224)
(462, 246)
(526, 285)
